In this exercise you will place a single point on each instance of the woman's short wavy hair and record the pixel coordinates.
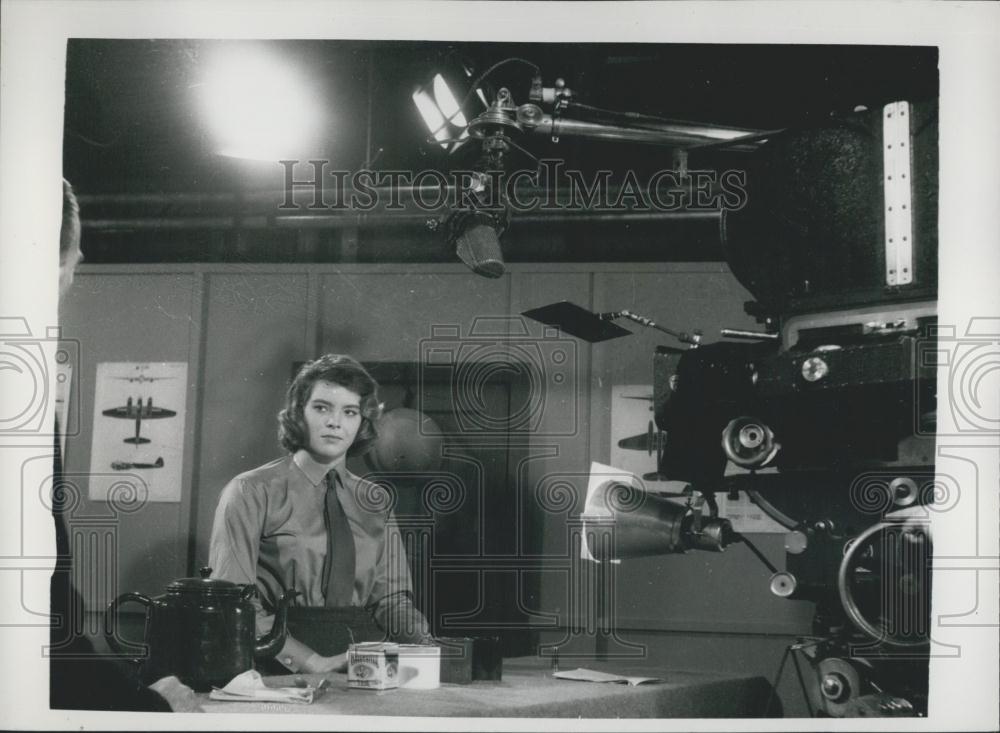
(336, 369)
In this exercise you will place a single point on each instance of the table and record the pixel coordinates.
(528, 690)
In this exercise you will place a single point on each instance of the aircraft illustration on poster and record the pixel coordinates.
(651, 442)
(138, 412)
(139, 377)
(128, 465)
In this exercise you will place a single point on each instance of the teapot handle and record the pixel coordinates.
(111, 626)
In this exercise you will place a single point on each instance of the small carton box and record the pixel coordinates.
(420, 666)
(373, 665)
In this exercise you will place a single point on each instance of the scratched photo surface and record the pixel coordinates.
(680, 410)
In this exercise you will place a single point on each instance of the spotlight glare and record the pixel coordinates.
(257, 107)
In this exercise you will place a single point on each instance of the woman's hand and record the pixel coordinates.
(317, 663)
(179, 696)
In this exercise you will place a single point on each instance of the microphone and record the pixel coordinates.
(474, 230)
(477, 244)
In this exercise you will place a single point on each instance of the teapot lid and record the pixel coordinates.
(206, 584)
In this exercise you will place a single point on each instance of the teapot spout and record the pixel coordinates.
(270, 644)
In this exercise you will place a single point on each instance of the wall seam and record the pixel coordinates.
(198, 346)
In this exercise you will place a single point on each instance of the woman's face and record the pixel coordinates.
(333, 416)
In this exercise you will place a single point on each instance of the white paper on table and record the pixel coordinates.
(581, 674)
(249, 687)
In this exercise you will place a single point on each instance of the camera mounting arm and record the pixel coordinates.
(572, 119)
(693, 338)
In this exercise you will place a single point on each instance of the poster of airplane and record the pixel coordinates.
(137, 412)
(138, 436)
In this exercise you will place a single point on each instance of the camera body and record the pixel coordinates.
(829, 424)
(829, 402)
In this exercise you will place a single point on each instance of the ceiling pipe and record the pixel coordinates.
(351, 220)
(667, 135)
(303, 197)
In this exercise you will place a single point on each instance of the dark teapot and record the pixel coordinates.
(202, 630)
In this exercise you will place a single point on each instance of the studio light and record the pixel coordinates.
(257, 106)
(442, 113)
(432, 116)
(447, 103)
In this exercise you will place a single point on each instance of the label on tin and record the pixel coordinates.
(372, 666)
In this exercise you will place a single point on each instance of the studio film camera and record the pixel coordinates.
(825, 416)
(830, 420)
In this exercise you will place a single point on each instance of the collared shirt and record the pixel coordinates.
(269, 531)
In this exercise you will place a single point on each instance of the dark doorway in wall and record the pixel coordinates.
(467, 521)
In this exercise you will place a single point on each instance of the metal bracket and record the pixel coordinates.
(897, 183)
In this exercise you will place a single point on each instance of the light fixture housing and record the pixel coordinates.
(441, 111)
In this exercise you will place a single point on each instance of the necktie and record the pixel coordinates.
(338, 585)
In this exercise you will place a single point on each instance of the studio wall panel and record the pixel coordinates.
(128, 316)
(255, 329)
(553, 481)
(384, 314)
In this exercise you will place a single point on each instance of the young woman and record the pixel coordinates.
(305, 522)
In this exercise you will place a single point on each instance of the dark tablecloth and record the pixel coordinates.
(528, 690)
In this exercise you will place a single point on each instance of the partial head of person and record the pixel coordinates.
(69, 239)
(331, 409)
